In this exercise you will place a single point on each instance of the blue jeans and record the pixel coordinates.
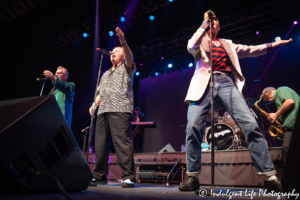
(227, 95)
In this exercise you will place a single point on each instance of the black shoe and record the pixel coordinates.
(190, 184)
(102, 180)
(273, 185)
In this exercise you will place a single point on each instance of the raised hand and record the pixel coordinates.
(206, 16)
(49, 74)
(120, 35)
(282, 42)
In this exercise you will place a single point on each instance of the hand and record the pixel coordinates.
(49, 74)
(206, 16)
(282, 42)
(272, 117)
(120, 34)
(91, 110)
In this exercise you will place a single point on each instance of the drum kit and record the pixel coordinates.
(227, 134)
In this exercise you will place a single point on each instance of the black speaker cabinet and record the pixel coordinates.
(34, 134)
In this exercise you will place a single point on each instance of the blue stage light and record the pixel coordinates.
(277, 37)
(137, 73)
(191, 65)
(111, 33)
(170, 0)
(170, 65)
(156, 73)
(122, 19)
(151, 17)
(85, 35)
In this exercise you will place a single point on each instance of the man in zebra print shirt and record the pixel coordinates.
(115, 101)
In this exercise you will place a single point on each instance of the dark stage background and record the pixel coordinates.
(28, 46)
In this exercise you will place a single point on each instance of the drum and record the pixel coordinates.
(224, 136)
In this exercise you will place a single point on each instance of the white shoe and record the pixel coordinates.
(127, 183)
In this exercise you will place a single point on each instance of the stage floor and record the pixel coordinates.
(141, 191)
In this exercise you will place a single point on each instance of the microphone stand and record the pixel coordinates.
(94, 107)
(212, 111)
(42, 88)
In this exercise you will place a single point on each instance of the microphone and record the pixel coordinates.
(104, 51)
(43, 79)
(85, 129)
(210, 15)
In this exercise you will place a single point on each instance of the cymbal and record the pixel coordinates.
(208, 117)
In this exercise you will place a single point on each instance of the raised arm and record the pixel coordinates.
(258, 50)
(126, 50)
(67, 88)
(195, 41)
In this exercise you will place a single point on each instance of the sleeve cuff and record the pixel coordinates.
(269, 47)
(204, 26)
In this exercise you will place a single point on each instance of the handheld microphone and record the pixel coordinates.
(104, 51)
(43, 79)
(210, 15)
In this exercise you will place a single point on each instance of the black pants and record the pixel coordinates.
(286, 144)
(116, 125)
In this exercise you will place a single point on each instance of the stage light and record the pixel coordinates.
(85, 35)
(156, 73)
(191, 65)
(137, 73)
(277, 37)
(141, 64)
(151, 17)
(170, 65)
(295, 22)
(170, 0)
(162, 58)
(122, 19)
(111, 33)
(257, 32)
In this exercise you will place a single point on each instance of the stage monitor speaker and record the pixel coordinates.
(34, 134)
(291, 173)
(167, 148)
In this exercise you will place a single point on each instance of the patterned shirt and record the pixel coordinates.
(116, 93)
(220, 58)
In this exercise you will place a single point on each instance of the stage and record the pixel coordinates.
(144, 191)
(232, 167)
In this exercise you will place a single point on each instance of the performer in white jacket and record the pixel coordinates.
(228, 84)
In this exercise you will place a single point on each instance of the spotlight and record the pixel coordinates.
(85, 35)
(191, 65)
(257, 32)
(122, 19)
(295, 22)
(111, 33)
(277, 38)
(170, 0)
(162, 58)
(137, 73)
(151, 17)
(156, 73)
(170, 65)
(141, 64)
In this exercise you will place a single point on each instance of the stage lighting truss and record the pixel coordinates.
(14, 10)
(271, 19)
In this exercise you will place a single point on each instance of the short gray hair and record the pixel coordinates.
(268, 90)
(65, 70)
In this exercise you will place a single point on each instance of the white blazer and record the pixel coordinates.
(198, 46)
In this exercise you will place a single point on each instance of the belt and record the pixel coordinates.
(222, 73)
